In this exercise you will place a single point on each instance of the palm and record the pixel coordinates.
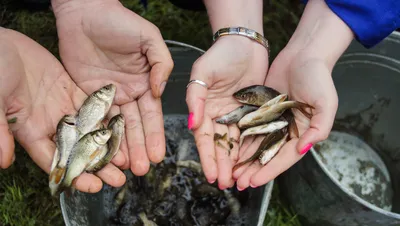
(107, 43)
(42, 94)
(242, 66)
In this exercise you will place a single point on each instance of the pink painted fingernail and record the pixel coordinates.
(239, 188)
(306, 149)
(190, 120)
(253, 186)
(211, 181)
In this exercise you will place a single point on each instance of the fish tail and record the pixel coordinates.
(293, 130)
(301, 107)
(241, 164)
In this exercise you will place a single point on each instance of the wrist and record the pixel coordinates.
(61, 6)
(320, 35)
(239, 13)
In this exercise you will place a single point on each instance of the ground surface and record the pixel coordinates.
(24, 194)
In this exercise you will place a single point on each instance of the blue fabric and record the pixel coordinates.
(370, 20)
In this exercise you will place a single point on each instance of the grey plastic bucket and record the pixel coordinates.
(85, 209)
(368, 86)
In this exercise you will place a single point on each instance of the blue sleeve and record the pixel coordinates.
(370, 20)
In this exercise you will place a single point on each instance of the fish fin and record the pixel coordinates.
(57, 174)
(278, 99)
(293, 130)
(301, 107)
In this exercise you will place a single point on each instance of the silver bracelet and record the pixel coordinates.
(254, 35)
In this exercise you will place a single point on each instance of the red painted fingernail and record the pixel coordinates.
(253, 186)
(190, 120)
(306, 149)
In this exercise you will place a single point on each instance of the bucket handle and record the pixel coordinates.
(184, 45)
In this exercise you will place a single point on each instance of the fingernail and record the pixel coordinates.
(13, 159)
(190, 120)
(253, 186)
(162, 87)
(239, 188)
(306, 149)
(211, 181)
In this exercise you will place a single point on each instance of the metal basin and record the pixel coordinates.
(91, 209)
(353, 178)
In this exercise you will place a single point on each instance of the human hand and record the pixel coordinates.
(232, 63)
(303, 71)
(102, 42)
(36, 90)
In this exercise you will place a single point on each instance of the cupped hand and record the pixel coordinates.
(102, 42)
(306, 79)
(232, 63)
(37, 91)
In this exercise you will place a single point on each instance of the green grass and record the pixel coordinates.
(24, 193)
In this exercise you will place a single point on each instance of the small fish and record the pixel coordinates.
(233, 202)
(94, 109)
(268, 141)
(83, 152)
(267, 113)
(289, 117)
(120, 196)
(262, 129)
(256, 95)
(66, 138)
(218, 136)
(235, 115)
(190, 164)
(117, 125)
(269, 153)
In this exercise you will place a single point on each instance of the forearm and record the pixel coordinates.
(320, 34)
(227, 13)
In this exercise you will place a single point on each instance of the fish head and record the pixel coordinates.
(101, 136)
(118, 120)
(245, 95)
(69, 120)
(107, 92)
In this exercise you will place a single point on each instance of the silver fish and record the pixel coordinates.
(269, 112)
(83, 152)
(117, 125)
(66, 137)
(269, 153)
(262, 129)
(235, 115)
(94, 109)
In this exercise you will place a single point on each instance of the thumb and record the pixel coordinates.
(7, 144)
(160, 61)
(196, 95)
(320, 127)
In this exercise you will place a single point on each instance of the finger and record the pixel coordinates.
(286, 157)
(42, 151)
(196, 95)
(119, 159)
(224, 161)
(204, 137)
(153, 123)
(111, 175)
(320, 126)
(160, 60)
(7, 145)
(88, 183)
(234, 134)
(248, 153)
(135, 139)
(243, 181)
(246, 143)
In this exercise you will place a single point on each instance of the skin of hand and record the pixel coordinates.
(35, 88)
(303, 70)
(100, 42)
(232, 63)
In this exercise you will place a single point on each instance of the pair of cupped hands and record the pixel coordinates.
(107, 43)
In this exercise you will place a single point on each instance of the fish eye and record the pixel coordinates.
(243, 95)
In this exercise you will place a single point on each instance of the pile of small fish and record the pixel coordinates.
(264, 112)
(83, 143)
